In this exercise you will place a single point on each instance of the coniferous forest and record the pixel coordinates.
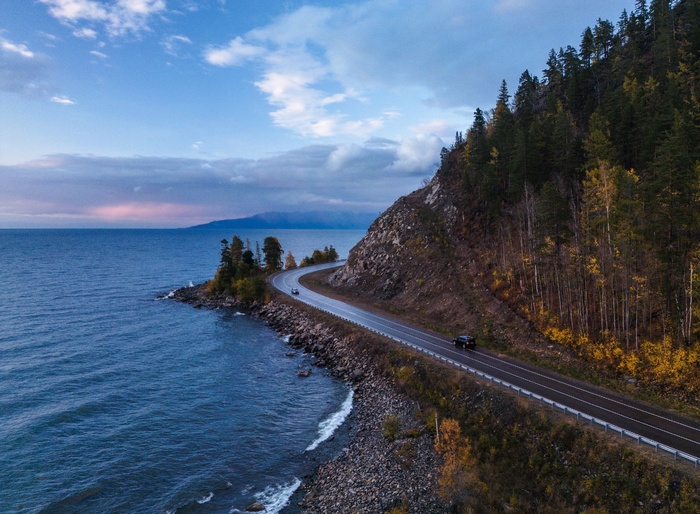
(589, 176)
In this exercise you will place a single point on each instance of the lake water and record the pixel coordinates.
(113, 401)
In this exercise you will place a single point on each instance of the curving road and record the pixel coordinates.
(648, 425)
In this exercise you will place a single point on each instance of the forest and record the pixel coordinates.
(589, 179)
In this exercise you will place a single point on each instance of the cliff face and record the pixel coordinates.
(420, 259)
(415, 258)
(413, 234)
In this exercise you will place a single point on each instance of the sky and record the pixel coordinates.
(171, 113)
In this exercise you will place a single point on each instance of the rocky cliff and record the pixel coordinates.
(420, 259)
(410, 248)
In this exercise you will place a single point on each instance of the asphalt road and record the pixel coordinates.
(648, 425)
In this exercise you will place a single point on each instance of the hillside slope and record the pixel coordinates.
(420, 258)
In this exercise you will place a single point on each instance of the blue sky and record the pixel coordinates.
(170, 113)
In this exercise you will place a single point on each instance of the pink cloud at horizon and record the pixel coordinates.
(151, 212)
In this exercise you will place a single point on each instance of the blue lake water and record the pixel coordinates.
(113, 401)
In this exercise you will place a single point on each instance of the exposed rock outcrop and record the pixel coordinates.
(420, 259)
(391, 259)
(416, 259)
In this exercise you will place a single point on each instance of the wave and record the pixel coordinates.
(206, 499)
(328, 426)
(166, 295)
(275, 498)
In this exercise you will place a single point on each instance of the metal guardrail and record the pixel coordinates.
(677, 454)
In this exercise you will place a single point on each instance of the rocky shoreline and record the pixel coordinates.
(373, 474)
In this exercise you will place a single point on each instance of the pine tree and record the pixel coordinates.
(273, 254)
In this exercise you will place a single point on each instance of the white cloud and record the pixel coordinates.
(343, 155)
(340, 70)
(143, 7)
(416, 154)
(75, 10)
(235, 53)
(19, 49)
(174, 44)
(98, 54)
(433, 127)
(63, 100)
(85, 33)
(322, 67)
(301, 107)
(292, 82)
(118, 18)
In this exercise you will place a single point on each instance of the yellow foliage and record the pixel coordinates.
(662, 360)
(565, 337)
(630, 364)
(457, 478)
(593, 267)
(675, 366)
(607, 351)
(658, 361)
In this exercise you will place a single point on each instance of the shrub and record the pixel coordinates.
(390, 426)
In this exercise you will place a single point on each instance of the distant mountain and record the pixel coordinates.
(296, 220)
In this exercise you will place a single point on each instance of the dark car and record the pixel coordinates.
(295, 290)
(464, 342)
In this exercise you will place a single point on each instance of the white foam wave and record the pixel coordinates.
(206, 499)
(239, 314)
(190, 284)
(328, 426)
(166, 295)
(275, 498)
(287, 338)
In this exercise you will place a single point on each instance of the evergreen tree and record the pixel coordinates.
(587, 47)
(236, 250)
(225, 260)
(273, 254)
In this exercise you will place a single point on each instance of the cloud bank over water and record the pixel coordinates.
(173, 192)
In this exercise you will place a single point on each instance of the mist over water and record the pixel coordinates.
(113, 401)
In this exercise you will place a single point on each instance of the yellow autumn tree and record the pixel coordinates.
(458, 482)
